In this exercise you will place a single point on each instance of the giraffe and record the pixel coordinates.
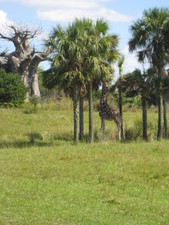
(108, 113)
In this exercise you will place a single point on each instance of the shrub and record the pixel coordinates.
(12, 89)
(35, 100)
(136, 131)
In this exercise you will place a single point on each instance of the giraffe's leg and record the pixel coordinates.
(102, 128)
(124, 134)
(119, 130)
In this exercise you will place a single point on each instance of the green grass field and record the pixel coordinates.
(46, 179)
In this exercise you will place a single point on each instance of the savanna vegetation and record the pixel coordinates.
(54, 169)
(46, 179)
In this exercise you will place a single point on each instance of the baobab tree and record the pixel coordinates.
(25, 59)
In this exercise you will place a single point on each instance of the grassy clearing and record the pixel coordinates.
(45, 179)
(99, 184)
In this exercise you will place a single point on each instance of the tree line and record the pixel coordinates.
(82, 56)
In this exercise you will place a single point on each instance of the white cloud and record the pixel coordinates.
(63, 15)
(131, 63)
(67, 10)
(64, 4)
(3, 18)
(4, 22)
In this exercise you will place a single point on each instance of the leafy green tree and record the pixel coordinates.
(12, 90)
(102, 52)
(150, 40)
(83, 54)
(66, 70)
(85, 27)
(138, 83)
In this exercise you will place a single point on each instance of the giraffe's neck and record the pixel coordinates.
(103, 99)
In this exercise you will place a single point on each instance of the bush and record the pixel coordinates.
(12, 89)
(136, 131)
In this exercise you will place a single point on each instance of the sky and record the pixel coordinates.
(120, 15)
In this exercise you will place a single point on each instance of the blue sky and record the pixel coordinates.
(47, 13)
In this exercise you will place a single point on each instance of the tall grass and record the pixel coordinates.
(53, 122)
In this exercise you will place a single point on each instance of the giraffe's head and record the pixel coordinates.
(105, 87)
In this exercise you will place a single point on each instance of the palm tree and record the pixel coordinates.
(149, 39)
(84, 26)
(138, 83)
(67, 65)
(82, 56)
(120, 66)
(100, 53)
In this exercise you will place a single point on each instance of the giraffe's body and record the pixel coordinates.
(108, 113)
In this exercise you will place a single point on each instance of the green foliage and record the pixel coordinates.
(136, 85)
(83, 54)
(12, 89)
(136, 131)
(82, 58)
(150, 37)
(120, 65)
(35, 100)
(66, 70)
(47, 93)
(129, 102)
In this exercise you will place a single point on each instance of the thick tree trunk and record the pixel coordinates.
(91, 137)
(144, 114)
(81, 121)
(165, 117)
(76, 115)
(33, 77)
(30, 80)
(34, 86)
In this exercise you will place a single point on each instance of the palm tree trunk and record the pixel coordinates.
(160, 103)
(144, 114)
(76, 115)
(121, 112)
(91, 137)
(81, 127)
(165, 117)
